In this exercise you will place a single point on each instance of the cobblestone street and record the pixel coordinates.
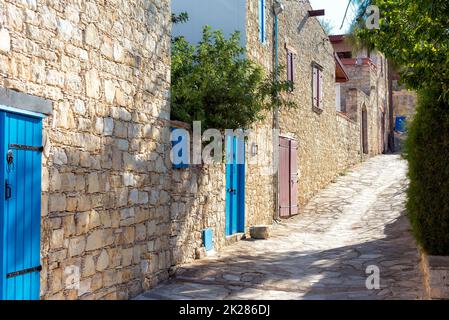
(323, 253)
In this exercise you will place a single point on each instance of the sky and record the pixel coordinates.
(335, 11)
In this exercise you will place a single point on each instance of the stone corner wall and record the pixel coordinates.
(436, 276)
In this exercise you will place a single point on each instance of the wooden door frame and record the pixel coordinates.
(4, 147)
(239, 178)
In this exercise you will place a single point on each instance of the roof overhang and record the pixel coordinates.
(340, 73)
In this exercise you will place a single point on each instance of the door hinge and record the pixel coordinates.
(22, 272)
(26, 148)
(8, 190)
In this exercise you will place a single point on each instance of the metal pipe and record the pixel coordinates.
(276, 111)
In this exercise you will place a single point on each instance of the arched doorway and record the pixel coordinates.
(365, 130)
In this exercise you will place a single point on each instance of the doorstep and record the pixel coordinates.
(436, 276)
(234, 238)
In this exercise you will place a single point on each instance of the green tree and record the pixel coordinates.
(327, 25)
(215, 83)
(415, 34)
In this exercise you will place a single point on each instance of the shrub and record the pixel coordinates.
(427, 153)
(215, 83)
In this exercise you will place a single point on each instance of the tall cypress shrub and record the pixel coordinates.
(427, 151)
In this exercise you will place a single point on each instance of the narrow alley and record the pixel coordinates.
(323, 253)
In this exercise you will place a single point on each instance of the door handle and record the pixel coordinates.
(8, 190)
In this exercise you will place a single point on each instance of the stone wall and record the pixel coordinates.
(357, 100)
(260, 204)
(368, 87)
(404, 103)
(105, 66)
(359, 77)
(198, 202)
(328, 143)
(349, 144)
(435, 270)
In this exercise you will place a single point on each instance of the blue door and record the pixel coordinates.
(20, 206)
(235, 185)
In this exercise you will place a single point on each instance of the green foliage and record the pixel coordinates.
(415, 34)
(216, 84)
(180, 18)
(427, 153)
(327, 25)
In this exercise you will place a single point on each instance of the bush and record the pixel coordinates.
(427, 153)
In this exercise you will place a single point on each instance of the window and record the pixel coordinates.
(290, 66)
(317, 86)
(262, 22)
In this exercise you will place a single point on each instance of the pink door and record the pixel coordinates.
(293, 177)
(288, 177)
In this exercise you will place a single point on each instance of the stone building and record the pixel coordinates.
(367, 97)
(96, 74)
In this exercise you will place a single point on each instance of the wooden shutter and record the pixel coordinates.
(315, 87)
(320, 89)
(338, 97)
(293, 177)
(284, 181)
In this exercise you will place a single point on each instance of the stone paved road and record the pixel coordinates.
(356, 222)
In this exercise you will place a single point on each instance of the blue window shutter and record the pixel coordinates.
(262, 21)
(174, 143)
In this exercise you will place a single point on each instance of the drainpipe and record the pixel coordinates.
(391, 141)
(278, 8)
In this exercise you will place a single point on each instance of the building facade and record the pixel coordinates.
(94, 208)
(92, 78)
(367, 97)
(299, 151)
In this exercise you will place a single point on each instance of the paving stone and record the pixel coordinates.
(323, 253)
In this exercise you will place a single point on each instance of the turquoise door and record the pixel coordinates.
(20, 206)
(235, 185)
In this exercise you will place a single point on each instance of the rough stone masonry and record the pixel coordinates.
(105, 68)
